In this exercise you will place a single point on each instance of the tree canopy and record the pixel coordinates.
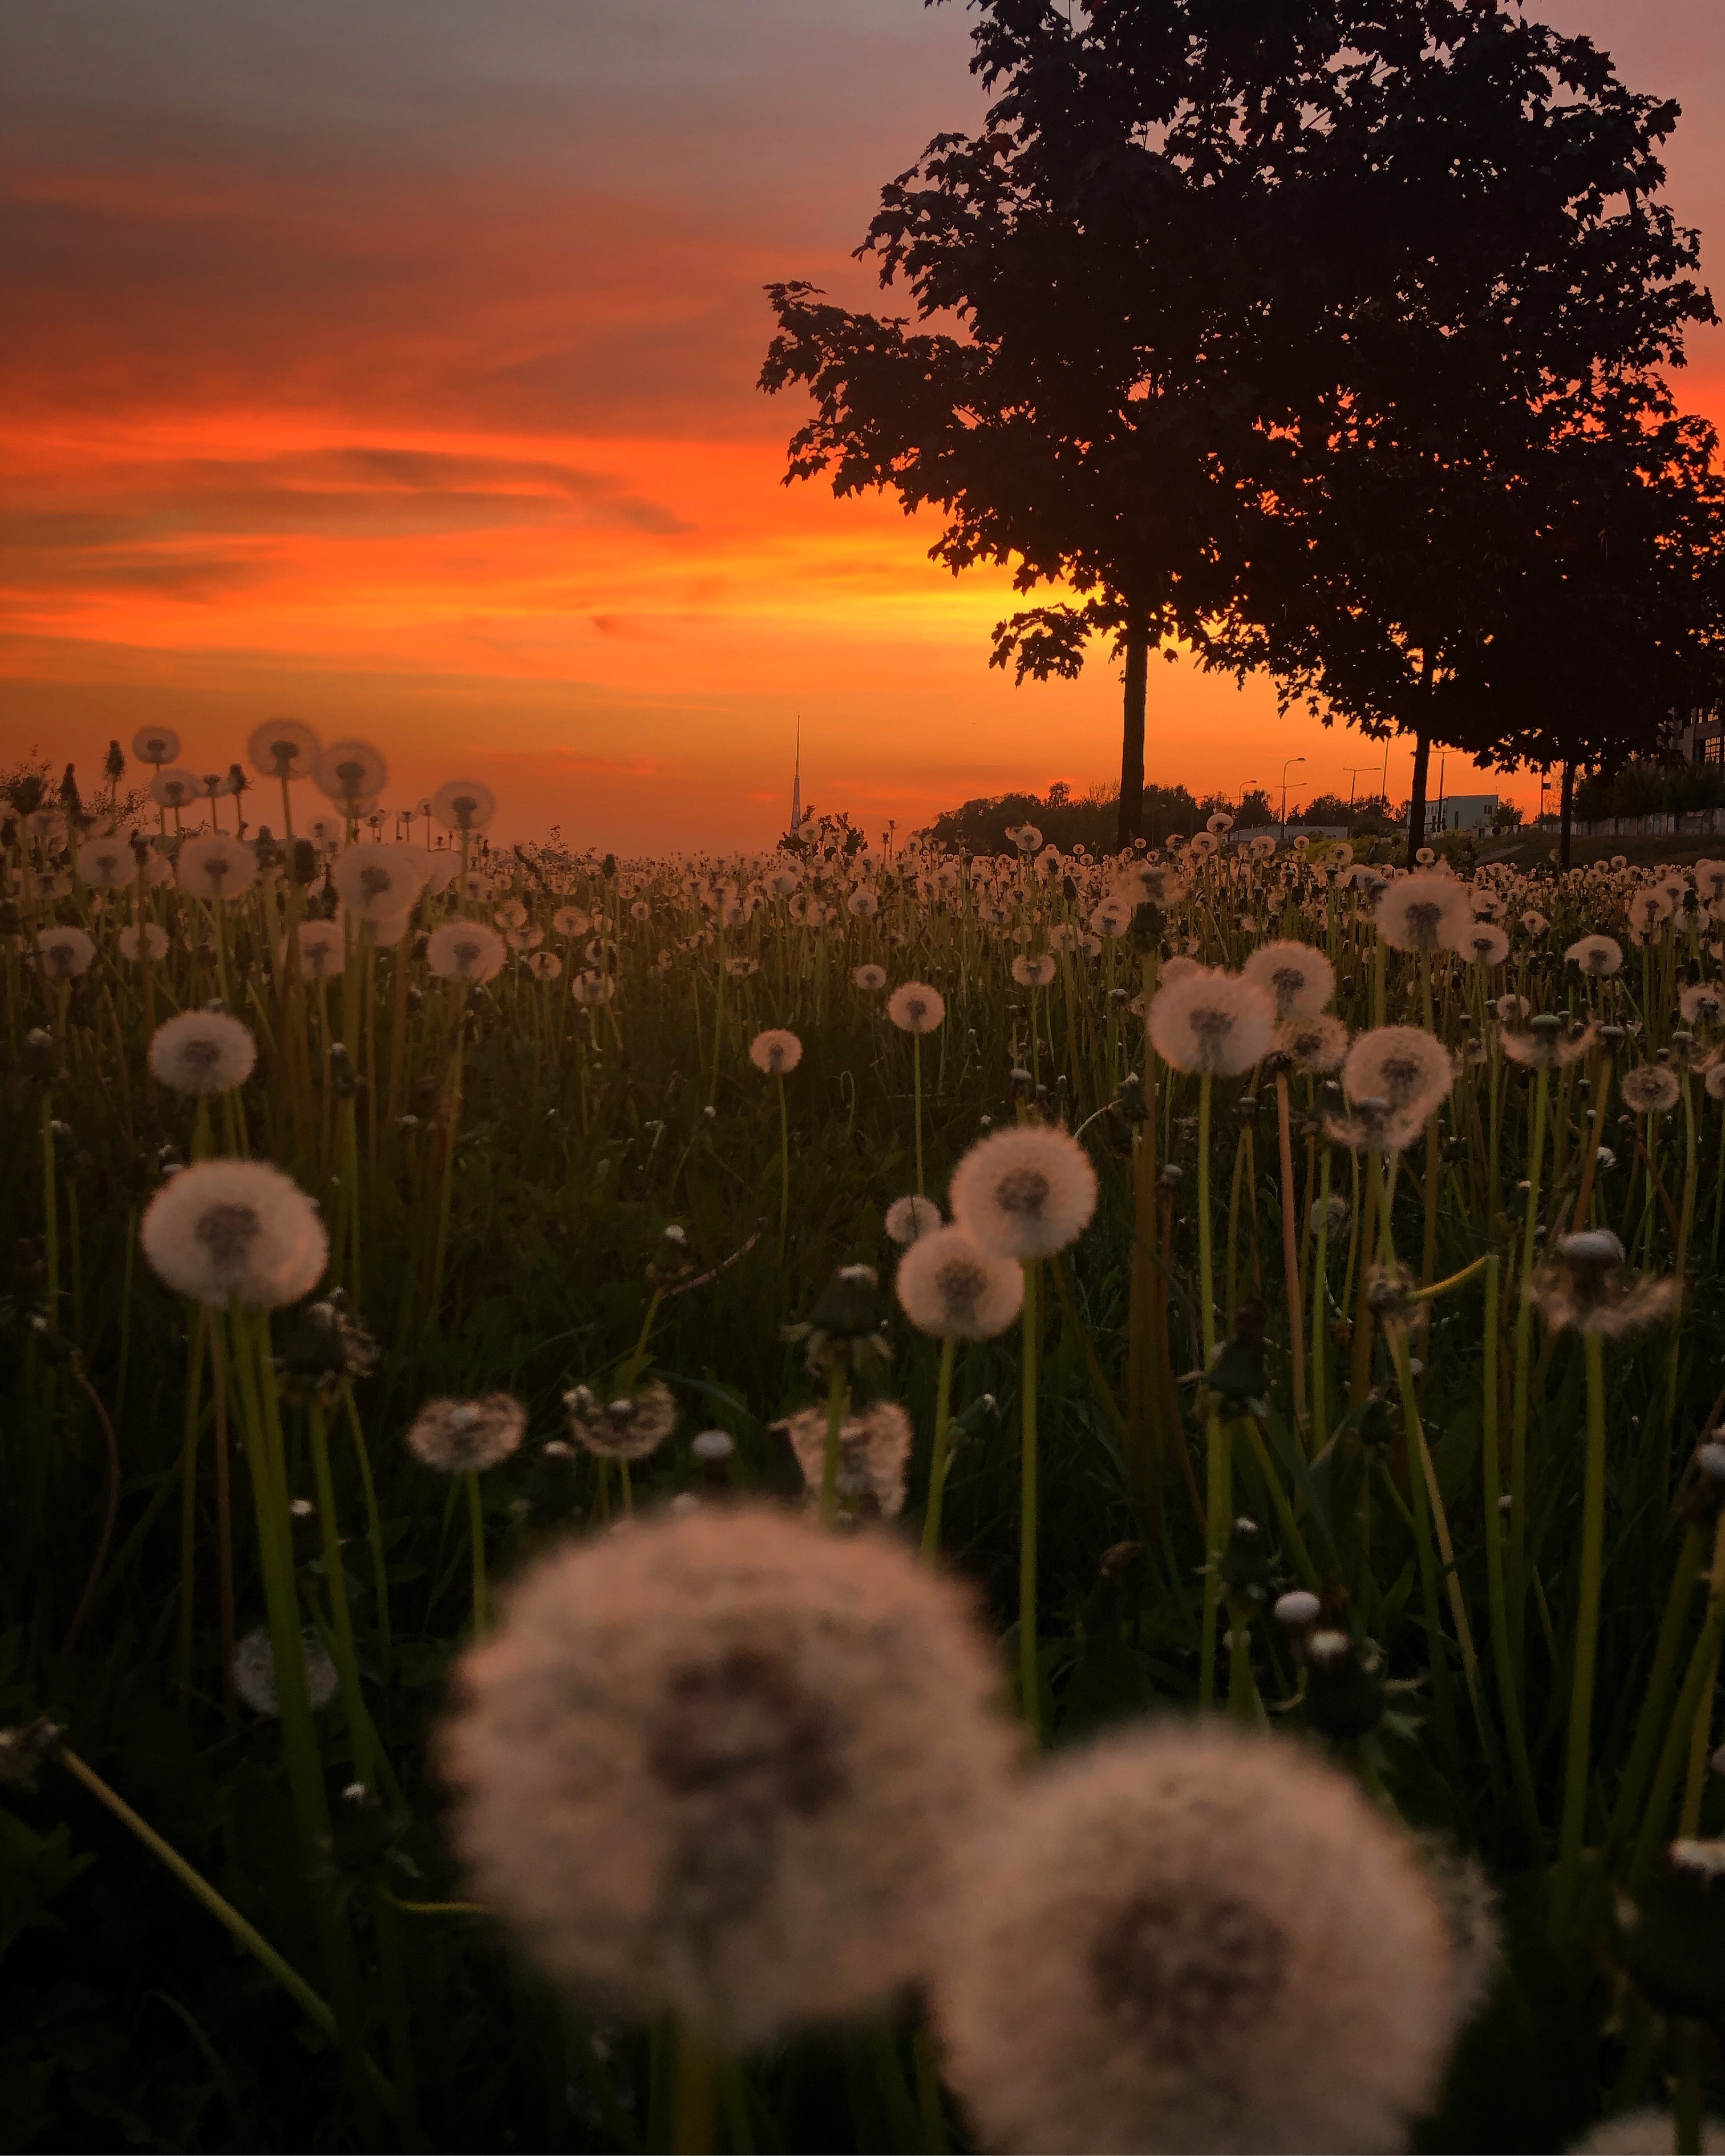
(1231, 316)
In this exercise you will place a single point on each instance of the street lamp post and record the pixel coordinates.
(1291, 760)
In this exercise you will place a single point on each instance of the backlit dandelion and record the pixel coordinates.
(217, 867)
(1217, 1024)
(1586, 1288)
(470, 951)
(1024, 1193)
(1402, 1065)
(156, 745)
(63, 953)
(593, 988)
(871, 979)
(149, 940)
(224, 1230)
(1597, 957)
(909, 1217)
(949, 1285)
(720, 1768)
(1300, 980)
(572, 920)
(202, 1052)
(627, 1428)
(322, 949)
(1481, 943)
(282, 748)
(1651, 1089)
(1423, 913)
(353, 772)
(915, 1008)
(1033, 972)
(378, 882)
(1313, 1046)
(775, 1051)
(1188, 1940)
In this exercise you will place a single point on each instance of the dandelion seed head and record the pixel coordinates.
(1024, 1191)
(1218, 1024)
(353, 772)
(464, 804)
(1597, 957)
(154, 946)
(282, 748)
(466, 951)
(1033, 972)
(914, 1007)
(627, 1429)
(465, 1437)
(871, 979)
(223, 1229)
(1583, 1286)
(1402, 1065)
(155, 744)
(252, 1669)
(202, 1052)
(874, 1446)
(909, 1217)
(1299, 979)
(720, 1767)
(775, 1051)
(1191, 1939)
(1313, 1046)
(949, 1285)
(1651, 1089)
(64, 952)
(1481, 943)
(1422, 912)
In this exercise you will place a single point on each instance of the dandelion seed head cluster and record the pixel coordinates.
(202, 1052)
(227, 1230)
(1215, 1023)
(1024, 1193)
(465, 1437)
(627, 1428)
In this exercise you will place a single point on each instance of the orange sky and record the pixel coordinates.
(394, 367)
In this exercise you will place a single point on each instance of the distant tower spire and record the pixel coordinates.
(797, 782)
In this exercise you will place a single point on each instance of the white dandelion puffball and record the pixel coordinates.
(1401, 1064)
(914, 1007)
(1599, 956)
(202, 1052)
(1423, 913)
(593, 988)
(1033, 972)
(863, 904)
(464, 1437)
(1701, 1003)
(155, 744)
(1026, 1192)
(64, 953)
(466, 951)
(217, 867)
(1193, 1940)
(283, 748)
(572, 920)
(175, 789)
(950, 1287)
(1651, 1089)
(107, 864)
(350, 771)
(908, 1217)
(378, 883)
(1313, 1046)
(223, 1229)
(1481, 943)
(871, 979)
(720, 1767)
(1301, 980)
(464, 804)
(323, 949)
(775, 1051)
(1217, 1024)
(254, 1671)
(155, 942)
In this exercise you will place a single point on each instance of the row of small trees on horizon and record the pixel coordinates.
(1335, 343)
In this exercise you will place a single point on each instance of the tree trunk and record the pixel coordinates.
(1566, 818)
(1416, 805)
(1130, 823)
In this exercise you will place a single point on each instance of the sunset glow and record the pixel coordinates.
(426, 410)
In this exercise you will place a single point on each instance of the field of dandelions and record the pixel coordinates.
(841, 1501)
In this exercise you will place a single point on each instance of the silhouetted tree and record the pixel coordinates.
(1220, 271)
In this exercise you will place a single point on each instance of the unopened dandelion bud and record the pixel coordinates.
(1344, 1699)
(303, 1522)
(1243, 1568)
(1296, 1611)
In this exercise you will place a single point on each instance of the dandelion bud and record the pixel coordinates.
(846, 1308)
(1344, 1698)
(303, 1524)
(1243, 1568)
(1296, 1611)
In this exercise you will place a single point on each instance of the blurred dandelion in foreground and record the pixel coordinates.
(1586, 1287)
(254, 1671)
(1644, 2132)
(1024, 1193)
(720, 1768)
(908, 1217)
(1216, 1023)
(950, 1287)
(227, 1229)
(1193, 1940)
(625, 1429)
(202, 1052)
(775, 1051)
(874, 1446)
(465, 1437)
